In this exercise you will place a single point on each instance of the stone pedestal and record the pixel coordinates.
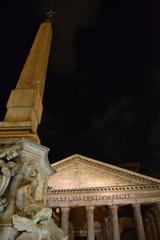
(23, 185)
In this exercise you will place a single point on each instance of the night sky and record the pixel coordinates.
(102, 95)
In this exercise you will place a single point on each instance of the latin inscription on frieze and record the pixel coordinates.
(87, 198)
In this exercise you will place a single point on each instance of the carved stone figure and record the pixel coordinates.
(7, 171)
(9, 151)
(33, 227)
(25, 197)
(19, 185)
(5, 176)
(33, 219)
(30, 171)
(3, 204)
(19, 206)
(39, 227)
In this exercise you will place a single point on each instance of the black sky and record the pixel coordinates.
(102, 95)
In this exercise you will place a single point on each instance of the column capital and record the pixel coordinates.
(65, 209)
(90, 208)
(136, 207)
(113, 208)
(158, 205)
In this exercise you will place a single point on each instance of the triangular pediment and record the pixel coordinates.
(79, 172)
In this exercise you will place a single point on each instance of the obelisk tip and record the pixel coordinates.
(49, 15)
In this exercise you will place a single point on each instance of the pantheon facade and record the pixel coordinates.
(94, 200)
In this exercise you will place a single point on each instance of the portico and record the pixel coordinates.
(80, 182)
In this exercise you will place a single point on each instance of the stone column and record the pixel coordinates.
(152, 225)
(148, 230)
(108, 228)
(115, 222)
(157, 220)
(90, 223)
(65, 220)
(158, 208)
(139, 221)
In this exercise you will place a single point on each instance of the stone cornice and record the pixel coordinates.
(39, 152)
(26, 147)
(124, 189)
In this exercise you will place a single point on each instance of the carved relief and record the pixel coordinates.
(30, 171)
(8, 170)
(33, 219)
(39, 226)
(78, 172)
(5, 176)
(13, 177)
(78, 180)
(3, 204)
(102, 168)
(9, 151)
(22, 184)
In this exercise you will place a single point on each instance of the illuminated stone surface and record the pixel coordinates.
(87, 195)
(24, 167)
(24, 107)
(84, 183)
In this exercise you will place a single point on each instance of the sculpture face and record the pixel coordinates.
(7, 170)
(30, 171)
(3, 204)
(33, 172)
(13, 167)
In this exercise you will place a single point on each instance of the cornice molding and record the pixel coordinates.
(38, 152)
(124, 189)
